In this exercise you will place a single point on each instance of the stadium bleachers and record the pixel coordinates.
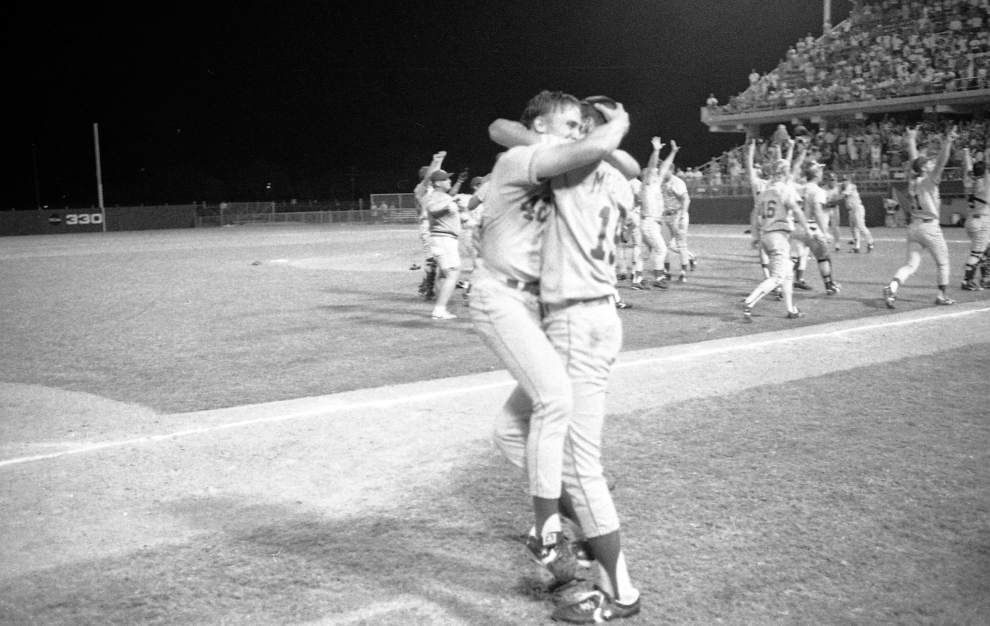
(858, 87)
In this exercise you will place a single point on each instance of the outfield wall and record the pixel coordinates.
(57, 221)
(704, 210)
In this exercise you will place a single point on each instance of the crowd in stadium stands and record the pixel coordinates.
(887, 48)
(868, 150)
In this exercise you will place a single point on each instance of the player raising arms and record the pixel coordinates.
(924, 232)
(445, 229)
(772, 222)
(977, 220)
(651, 199)
(504, 296)
(424, 186)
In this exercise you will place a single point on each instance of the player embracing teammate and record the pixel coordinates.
(543, 299)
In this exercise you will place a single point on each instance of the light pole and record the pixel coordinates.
(99, 176)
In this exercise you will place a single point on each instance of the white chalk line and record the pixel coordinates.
(679, 353)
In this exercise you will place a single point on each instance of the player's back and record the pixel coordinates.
(580, 240)
(773, 207)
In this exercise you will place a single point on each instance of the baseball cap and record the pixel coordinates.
(439, 175)
(588, 109)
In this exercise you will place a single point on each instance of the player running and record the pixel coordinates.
(924, 231)
(771, 223)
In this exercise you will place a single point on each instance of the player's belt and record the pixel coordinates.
(533, 288)
(550, 307)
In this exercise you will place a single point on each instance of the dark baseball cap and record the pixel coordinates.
(439, 175)
(588, 107)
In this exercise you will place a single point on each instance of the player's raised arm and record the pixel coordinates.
(911, 138)
(435, 164)
(798, 161)
(789, 157)
(754, 179)
(456, 187)
(654, 160)
(944, 153)
(669, 161)
(510, 133)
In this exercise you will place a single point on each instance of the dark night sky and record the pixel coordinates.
(222, 97)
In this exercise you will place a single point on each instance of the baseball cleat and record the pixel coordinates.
(832, 288)
(747, 314)
(795, 314)
(415, 266)
(802, 284)
(869, 247)
(620, 277)
(682, 278)
(944, 300)
(638, 285)
(541, 552)
(888, 297)
(443, 315)
(622, 304)
(661, 283)
(594, 607)
(692, 263)
(970, 285)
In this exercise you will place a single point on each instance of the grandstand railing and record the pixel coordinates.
(771, 112)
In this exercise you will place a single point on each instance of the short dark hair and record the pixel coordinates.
(545, 102)
(979, 169)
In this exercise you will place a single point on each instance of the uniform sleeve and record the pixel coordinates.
(516, 166)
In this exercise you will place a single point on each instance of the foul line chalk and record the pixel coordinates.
(334, 406)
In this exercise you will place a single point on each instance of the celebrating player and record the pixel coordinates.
(445, 229)
(577, 290)
(504, 297)
(424, 186)
(813, 233)
(771, 223)
(924, 232)
(977, 220)
(857, 215)
(676, 219)
(652, 200)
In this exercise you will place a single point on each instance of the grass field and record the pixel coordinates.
(263, 425)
